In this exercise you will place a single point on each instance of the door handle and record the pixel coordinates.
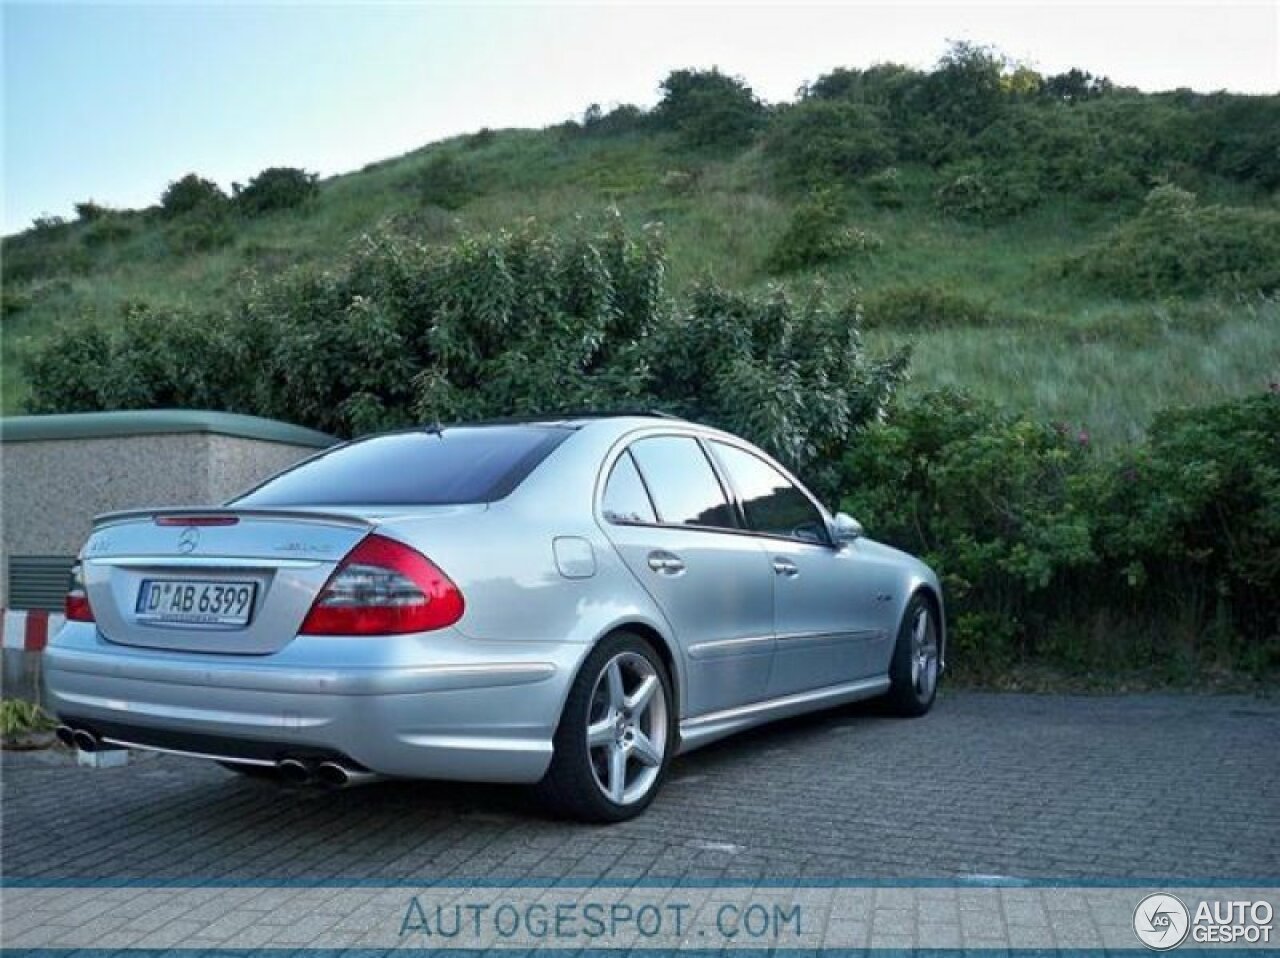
(785, 567)
(666, 563)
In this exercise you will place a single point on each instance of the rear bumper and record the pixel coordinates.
(473, 711)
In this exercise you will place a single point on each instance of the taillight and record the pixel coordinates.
(77, 602)
(383, 588)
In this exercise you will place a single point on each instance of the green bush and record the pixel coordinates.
(204, 229)
(191, 193)
(1192, 517)
(444, 181)
(821, 142)
(87, 211)
(276, 188)
(481, 138)
(975, 195)
(108, 227)
(516, 322)
(987, 497)
(920, 308)
(680, 182)
(886, 189)
(47, 226)
(149, 359)
(1176, 245)
(1243, 137)
(1075, 86)
(624, 118)
(709, 108)
(50, 247)
(816, 234)
(1164, 557)
(967, 90)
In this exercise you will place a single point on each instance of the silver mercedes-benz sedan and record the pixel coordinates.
(569, 602)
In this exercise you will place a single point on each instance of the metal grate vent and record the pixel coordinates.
(39, 582)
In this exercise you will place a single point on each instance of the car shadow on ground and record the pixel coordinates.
(520, 802)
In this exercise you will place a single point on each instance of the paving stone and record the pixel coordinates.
(1158, 786)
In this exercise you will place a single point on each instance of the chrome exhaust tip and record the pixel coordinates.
(85, 741)
(294, 771)
(66, 735)
(336, 775)
(333, 775)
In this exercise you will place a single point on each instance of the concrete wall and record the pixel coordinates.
(53, 488)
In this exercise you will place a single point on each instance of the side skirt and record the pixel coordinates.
(704, 729)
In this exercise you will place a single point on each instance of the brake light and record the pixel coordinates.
(383, 587)
(76, 606)
(197, 520)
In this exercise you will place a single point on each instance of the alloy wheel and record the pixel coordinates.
(924, 654)
(627, 728)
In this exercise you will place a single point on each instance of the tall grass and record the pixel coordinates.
(1105, 373)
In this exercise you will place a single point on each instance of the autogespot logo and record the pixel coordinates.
(1161, 921)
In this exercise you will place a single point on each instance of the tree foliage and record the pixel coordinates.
(818, 142)
(191, 193)
(709, 108)
(276, 188)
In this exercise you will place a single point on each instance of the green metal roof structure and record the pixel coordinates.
(150, 422)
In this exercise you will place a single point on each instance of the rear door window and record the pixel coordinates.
(683, 485)
(454, 466)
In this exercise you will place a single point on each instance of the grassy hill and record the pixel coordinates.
(964, 251)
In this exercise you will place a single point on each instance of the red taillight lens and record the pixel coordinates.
(76, 606)
(384, 588)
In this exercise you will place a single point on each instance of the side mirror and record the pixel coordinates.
(845, 529)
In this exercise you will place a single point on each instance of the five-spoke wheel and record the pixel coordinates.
(913, 673)
(616, 734)
(627, 728)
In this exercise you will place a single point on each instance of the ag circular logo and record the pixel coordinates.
(1161, 921)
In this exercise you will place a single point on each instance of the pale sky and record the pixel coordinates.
(111, 102)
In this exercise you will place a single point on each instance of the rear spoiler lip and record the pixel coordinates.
(107, 519)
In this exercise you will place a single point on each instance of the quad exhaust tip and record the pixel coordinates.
(332, 774)
(336, 775)
(85, 741)
(294, 771)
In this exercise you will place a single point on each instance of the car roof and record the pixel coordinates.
(615, 423)
(573, 418)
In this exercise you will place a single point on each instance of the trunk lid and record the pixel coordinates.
(236, 581)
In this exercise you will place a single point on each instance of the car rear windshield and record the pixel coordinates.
(427, 468)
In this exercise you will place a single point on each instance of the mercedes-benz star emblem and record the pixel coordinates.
(189, 539)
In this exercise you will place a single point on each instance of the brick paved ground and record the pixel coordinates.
(1061, 787)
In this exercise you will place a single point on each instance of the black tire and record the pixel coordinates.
(570, 789)
(908, 694)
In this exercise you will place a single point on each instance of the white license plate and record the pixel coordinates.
(195, 602)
